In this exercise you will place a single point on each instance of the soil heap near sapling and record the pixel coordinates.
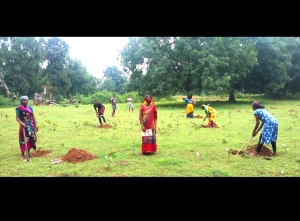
(76, 155)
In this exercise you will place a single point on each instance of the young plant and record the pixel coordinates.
(109, 159)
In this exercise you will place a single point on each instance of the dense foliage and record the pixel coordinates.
(160, 66)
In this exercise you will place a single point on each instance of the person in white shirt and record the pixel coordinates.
(113, 102)
(129, 101)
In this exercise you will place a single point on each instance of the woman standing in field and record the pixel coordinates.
(148, 120)
(25, 117)
(270, 128)
(211, 113)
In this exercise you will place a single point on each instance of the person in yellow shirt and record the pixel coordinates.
(211, 114)
(190, 110)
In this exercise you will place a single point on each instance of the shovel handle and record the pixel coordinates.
(244, 145)
(25, 140)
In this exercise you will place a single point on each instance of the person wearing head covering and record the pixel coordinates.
(211, 114)
(186, 100)
(148, 121)
(25, 118)
(190, 110)
(269, 124)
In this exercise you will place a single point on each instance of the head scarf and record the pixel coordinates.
(256, 104)
(145, 102)
(23, 97)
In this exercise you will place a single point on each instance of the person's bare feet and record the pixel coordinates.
(24, 159)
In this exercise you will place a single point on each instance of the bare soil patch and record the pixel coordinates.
(106, 126)
(39, 153)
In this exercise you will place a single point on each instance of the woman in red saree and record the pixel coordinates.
(25, 117)
(148, 120)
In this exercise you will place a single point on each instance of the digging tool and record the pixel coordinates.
(244, 145)
(203, 122)
(25, 140)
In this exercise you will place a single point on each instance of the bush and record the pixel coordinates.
(9, 102)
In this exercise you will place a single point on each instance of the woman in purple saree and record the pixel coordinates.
(25, 117)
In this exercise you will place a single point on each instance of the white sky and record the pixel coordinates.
(96, 53)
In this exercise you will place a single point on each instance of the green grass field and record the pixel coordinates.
(62, 128)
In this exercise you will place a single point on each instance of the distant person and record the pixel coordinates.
(190, 110)
(186, 100)
(129, 103)
(113, 102)
(211, 114)
(99, 109)
(269, 124)
(25, 117)
(148, 120)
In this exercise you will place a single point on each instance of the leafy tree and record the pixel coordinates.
(292, 86)
(82, 82)
(56, 55)
(190, 64)
(114, 80)
(271, 75)
(20, 59)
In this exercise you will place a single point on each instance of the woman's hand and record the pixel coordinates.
(36, 129)
(22, 124)
(143, 128)
(254, 133)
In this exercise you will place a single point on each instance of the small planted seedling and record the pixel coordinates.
(229, 151)
(109, 158)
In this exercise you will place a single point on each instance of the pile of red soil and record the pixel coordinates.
(77, 155)
(106, 126)
(213, 125)
(264, 151)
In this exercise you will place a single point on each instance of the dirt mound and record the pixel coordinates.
(198, 116)
(39, 153)
(264, 151)
(213, 125)
(77, 155)
(106, 126)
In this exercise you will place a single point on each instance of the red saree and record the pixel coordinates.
(149, 141)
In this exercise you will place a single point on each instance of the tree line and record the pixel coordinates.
(165, 66)
(160, 66)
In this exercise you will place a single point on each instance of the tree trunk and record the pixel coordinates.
(231, 97)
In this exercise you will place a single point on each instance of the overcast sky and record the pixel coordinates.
(96, 53)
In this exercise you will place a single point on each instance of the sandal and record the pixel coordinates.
(253, 154)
